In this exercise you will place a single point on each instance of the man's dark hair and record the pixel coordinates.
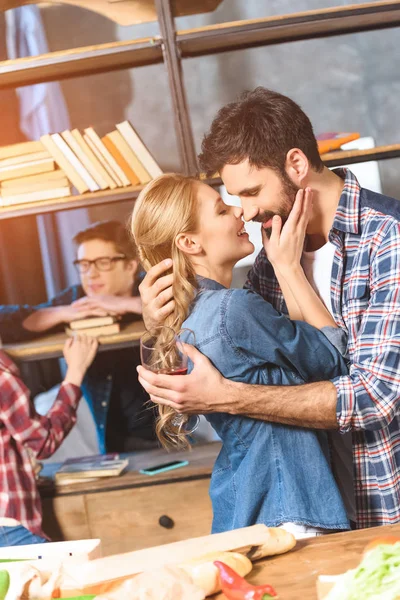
(261, 126)
(109, 231)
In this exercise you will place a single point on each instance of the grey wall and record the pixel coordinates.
(349, 82)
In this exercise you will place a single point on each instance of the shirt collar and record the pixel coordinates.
(348, 210)
(208, 284)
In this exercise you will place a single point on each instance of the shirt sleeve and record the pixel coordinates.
(11, 318)
(63, 298)
(263, 335)
(42, 434)
(253, 276)
(368, 398)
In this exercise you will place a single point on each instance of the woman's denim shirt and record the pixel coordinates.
(266, 473)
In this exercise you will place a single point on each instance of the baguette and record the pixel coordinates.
(204, 573)
(254, 542)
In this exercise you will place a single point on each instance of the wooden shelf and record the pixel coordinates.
(201, 41)
(79, 62)
(127, 12)
(350, 157)
(79, 201)
(288, 28)
(332, 159)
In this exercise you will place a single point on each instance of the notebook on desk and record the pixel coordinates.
(90, 467)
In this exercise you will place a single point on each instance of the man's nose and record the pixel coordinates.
(249, 211)
(92, 270)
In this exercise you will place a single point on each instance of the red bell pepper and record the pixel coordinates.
(236, 587)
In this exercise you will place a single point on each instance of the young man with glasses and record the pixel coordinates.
(107, 267)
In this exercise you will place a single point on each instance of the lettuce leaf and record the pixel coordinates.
(376, 578)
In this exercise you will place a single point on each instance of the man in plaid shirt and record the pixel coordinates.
(26, 435)
(265, 150)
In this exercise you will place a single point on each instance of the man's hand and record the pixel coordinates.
(78, 310)
(157, 294)
(111, 305)
(285, 246)
(203, 391)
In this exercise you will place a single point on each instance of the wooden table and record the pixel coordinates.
(294, 574)
(124, 511)
(51, 346)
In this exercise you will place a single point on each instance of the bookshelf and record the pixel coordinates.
(170, 48)
(130, 193)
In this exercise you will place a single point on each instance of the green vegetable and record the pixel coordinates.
(4, 584)
(376, 578)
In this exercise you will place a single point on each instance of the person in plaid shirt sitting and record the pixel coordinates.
(264, 148)
(25, 435)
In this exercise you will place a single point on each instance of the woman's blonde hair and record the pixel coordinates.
(166, 207)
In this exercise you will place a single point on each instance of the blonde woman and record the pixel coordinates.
(265, 473)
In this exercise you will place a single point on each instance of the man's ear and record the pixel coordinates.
(132, 265)
(297, 166)
(188, 243)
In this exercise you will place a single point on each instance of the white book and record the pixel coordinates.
(85, 160)
(108, 157)
(138, 147)
(75, 162)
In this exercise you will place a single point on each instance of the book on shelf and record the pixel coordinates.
(64, 164)
(20, 149)
(27, 168)
(118, 173)
(75, 162)
(23, 158)
(19, 186)
(85, 158)
(92, 322)
(92, 154)
(333, 140)
(122, 146)
(91, 467)
(95, 331)
(106, 166)
(52, 178)
(138, 147)
(113, 150)
(49, 194)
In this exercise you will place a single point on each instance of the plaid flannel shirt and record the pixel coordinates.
(365, 293)
(23, 431)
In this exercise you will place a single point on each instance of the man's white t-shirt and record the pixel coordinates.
(317, 267)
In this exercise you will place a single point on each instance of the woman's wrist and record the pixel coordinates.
(74, 375)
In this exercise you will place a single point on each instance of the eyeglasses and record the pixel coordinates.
(103, 263)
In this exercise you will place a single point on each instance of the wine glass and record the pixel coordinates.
(161, 351)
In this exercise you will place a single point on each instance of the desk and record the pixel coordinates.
(294, 574)
(124, 511)
(50, 346)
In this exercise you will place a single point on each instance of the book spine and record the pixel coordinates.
(75, 162)
(64, 164)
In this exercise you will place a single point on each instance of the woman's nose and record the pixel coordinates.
(238, 212)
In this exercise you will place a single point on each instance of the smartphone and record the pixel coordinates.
(175, 464)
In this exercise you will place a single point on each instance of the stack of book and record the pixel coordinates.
(74, 470)
(94, 326)
(47, 169)
(28, 172)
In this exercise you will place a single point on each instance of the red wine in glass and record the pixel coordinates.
(162, 351)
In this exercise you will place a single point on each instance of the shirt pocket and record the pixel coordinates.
(357, 302)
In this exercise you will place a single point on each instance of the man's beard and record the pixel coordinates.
(287, 198)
